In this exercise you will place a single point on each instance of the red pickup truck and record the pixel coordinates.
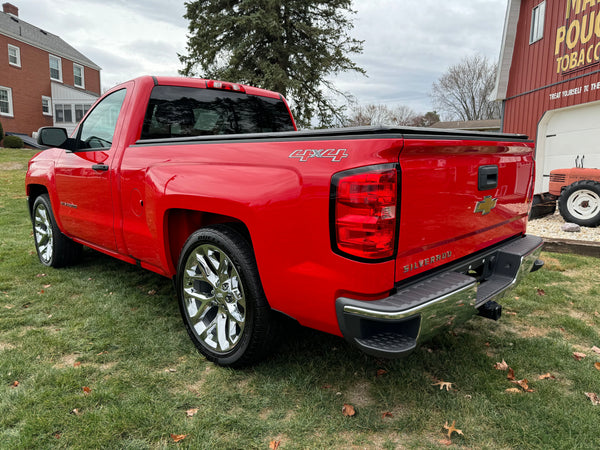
(381, 235)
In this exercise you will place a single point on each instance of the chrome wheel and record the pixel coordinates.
(44, 239)
(584, 204)
(213, 298)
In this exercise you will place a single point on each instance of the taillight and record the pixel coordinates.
(364, 212)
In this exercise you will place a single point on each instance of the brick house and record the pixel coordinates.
(43, 80)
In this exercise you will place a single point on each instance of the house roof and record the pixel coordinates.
(506, 50)
(18, 29)
(493, 124)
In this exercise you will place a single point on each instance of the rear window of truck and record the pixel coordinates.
(175, 111)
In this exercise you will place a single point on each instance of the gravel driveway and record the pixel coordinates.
(550, 227)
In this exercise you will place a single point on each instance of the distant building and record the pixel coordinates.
(549, 81)
(470, 125)
(43, 80)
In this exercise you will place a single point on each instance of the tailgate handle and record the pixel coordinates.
(488, 178)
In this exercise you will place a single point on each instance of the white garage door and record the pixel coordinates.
(567, 136)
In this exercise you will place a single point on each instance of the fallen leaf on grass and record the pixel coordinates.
(511, 313)
(446, 442)
(15, 384)
(541, 292)
(443, 385)
(77, 364)
(39, 275)
(501, 365)
(348, 410)
(178, 437)
(386, 414)
(523, 384)
(102, 353)
(46, 286)
(547, 376)
(86, 390)
(579, 356)
(76, 412)
(381, 372)
(191, 412)
(274, 445)
(452, 429)
(152, 292)
(597, 365)
(513, 391)
(511, 374)
(596, 349)
(593, 397)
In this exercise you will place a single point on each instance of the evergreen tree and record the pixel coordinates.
(288, 46)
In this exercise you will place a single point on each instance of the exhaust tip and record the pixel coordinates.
(537, 265)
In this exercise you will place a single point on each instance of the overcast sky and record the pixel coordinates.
(408, 43)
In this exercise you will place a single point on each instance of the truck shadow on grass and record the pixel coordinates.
(298, 348)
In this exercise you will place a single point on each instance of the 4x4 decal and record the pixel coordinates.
(336, 155)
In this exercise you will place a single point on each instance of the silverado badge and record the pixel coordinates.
(486, 205)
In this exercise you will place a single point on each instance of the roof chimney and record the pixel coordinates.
(10, 9)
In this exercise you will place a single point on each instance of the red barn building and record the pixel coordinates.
(549, 81)
(43, 80)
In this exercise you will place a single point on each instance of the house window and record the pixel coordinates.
(55, 68)
(63, 113)
(78, 79)
(80, 111)
(537, 23)
(46, 106)
(14, 56)
(6, 105)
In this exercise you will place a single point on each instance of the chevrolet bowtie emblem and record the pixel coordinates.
(486, 205)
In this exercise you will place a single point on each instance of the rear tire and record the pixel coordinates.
(221, 299)
(54, 249)
(580, 203)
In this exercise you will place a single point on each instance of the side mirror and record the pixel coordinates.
(52, 136)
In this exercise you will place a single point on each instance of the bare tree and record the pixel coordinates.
(381, 115)
(463, 91)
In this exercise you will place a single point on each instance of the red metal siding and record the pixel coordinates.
(537, 80)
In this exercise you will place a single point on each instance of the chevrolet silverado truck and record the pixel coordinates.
(382, 235)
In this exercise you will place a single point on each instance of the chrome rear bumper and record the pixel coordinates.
(394, 326)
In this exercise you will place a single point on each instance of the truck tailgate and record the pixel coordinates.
(457, 198)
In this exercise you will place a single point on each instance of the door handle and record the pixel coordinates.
(100, 167)
(488, 177)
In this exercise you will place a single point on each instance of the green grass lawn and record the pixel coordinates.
(96, 356)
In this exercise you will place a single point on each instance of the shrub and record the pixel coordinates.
(13, 142)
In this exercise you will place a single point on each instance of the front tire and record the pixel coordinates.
(53, 248)
(221, 299)
(580, 203)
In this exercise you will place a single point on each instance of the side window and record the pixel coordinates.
(99, 127)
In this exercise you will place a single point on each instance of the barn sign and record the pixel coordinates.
(577, 42)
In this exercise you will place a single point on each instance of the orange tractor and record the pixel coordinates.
(578, 192)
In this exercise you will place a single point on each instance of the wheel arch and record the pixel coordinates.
(33, 192)
(179, 224)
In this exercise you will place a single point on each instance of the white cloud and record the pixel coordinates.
(408, 43)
